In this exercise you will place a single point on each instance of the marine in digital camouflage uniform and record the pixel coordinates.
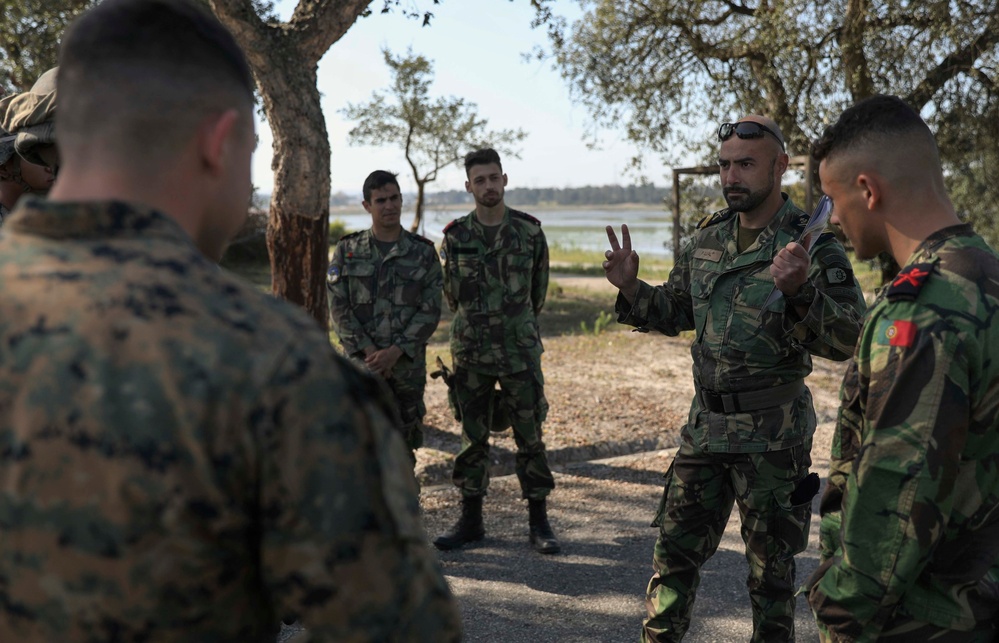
(748, 435)
(910, 517)
(184, 458)
(496, 281)
(385, 300)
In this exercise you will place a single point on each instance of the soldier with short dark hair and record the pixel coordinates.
(184, 458)
(385, 300)
(910, 517)
(748, 436)
(495, 281)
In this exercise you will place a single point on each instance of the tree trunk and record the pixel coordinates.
(418, 217)
(284, 57)
(298, 225)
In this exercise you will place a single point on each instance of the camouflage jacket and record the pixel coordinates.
(718, 292)
(496, 292)
(379, 301)
(187, 459)
(913, 492)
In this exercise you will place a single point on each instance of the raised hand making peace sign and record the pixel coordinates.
(621, 266)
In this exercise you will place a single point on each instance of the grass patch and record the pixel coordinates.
(576, 261)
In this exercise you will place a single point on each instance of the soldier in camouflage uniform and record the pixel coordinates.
(184, 458)
(495, 281)
(910, 518)
(385, 300)
(748, 435)
(30, 116)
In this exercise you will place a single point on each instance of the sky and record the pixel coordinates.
(476, 48)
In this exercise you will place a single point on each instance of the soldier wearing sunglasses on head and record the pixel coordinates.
(749, 432)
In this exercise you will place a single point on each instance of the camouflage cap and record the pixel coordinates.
(31, 116)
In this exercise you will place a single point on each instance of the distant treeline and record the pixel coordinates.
(588, 195)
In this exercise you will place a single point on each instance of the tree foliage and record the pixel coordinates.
(663, 68)
(433, 132)
(30, 32)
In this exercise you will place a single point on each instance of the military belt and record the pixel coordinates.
(746, 401)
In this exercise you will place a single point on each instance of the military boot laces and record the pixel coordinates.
(468, 528)
(542, 536)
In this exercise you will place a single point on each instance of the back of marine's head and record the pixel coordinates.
(137, 77)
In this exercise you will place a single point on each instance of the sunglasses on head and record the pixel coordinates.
(746, 129)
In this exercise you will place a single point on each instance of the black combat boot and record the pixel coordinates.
(468, 529)
(542, 536)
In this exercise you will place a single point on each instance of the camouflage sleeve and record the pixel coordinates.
(832, 323)
(452, 303)
(901, 488)
(539, 278)
(343, 545)
(347, 327)
(667, 308)
(424, 322)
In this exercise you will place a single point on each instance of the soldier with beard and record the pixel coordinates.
(749, 432)
(495, 282)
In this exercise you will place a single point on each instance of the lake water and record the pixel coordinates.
(651, 229)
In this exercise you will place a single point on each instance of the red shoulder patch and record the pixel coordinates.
(450, 225)
(910, 281)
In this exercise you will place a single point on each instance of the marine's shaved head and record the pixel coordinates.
(136, 77)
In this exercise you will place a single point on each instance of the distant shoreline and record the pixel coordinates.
(348, 210)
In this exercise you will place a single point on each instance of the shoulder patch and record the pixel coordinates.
(418, 237)
(451, 225)
(712, 219)
(896, 332)
(350, 235)
(910, 281)
(525, 216)
(333, 275)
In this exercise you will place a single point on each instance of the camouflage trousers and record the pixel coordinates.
(524, 395)
(700, 490)
(407, 384)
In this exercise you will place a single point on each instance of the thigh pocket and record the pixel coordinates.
(794, 514)
(657, 521)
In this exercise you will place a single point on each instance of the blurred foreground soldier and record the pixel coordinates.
(185, 459)
(385, 300)
(18, 177)
(910, 518)
(495, 281)
(748, 436)
(30, 116)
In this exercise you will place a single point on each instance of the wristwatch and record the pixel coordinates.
(804, 297)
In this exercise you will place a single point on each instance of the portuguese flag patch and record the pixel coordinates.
(896, 332)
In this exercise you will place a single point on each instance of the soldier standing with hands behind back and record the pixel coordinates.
(749, 431)
(385, 300)
(495, 281)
